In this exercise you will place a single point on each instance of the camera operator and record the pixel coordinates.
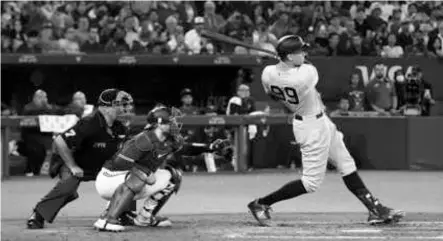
(417, 94)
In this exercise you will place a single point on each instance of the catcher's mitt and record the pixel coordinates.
(220, 145)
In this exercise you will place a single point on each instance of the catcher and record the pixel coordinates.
(143, 169)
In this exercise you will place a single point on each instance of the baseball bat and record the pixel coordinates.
(233, 41)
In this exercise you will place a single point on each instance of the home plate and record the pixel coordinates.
(361, 230)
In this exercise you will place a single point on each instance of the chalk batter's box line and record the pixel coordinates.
(353, 223)
(325, 237)
(381, 232)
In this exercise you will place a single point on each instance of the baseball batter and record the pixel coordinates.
(292, 82)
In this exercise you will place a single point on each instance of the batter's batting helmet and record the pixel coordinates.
(290, 44)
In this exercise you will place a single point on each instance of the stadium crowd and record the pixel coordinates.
(361, 28)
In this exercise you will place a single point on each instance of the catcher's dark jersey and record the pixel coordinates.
(144, 150)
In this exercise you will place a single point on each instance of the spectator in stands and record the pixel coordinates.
(212, 21)
(6, 43)
(321, 34)
(132, 37)
(374, 20)
(413, 23)
(108, 27)
(263, 38)
(68, 44)
(333, 45)
(411, 13)
(392, 50)
(178, 44)
(31, 44)
(169, 33)
(281, 26)
(117, 43)
(405, 38)
(359, 47)
(394, 24)
(335, 26)
(275, 13)
(193, 39)
(361, 23)
(92, 45)
(356, 94)
(239, 27)
(343, 108)
(379, 39)
(435, 45)
(79, 106)
(259, 14)
(381, 93)
(82, 31)
(436, 49)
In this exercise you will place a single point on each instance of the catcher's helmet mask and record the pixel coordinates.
(162, 115)
(290, 44)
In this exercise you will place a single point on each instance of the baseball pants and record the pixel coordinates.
(319, 141)
(108, 181)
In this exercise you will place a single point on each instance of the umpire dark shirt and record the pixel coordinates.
(93, 142)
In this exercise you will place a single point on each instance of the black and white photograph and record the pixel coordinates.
(221, 120)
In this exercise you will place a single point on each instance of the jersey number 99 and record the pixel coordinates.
(287, 94)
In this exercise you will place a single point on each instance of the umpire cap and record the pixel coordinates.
(290, 44)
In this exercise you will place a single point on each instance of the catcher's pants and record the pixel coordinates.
(319, 139)
(108, 181)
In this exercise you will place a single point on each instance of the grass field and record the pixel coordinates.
(213, 207)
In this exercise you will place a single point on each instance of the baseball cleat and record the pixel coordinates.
(153, 221)
(385, 216)
(108, 225)
(127, 218)
(36, 221)
(261, 213)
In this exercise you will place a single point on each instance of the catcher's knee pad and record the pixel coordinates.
(312, 183)
(176, 177)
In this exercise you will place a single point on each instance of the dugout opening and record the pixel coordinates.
(148, 84)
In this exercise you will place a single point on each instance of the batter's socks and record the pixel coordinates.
(358, 188)
(289, 190)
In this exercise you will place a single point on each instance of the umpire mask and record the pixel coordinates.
(120, 101)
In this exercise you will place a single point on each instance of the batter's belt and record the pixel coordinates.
(300, 118)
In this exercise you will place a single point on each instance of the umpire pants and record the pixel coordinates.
(65, 191)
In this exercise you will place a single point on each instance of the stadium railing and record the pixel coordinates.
(399, 143)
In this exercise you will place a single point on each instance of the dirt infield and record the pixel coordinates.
(214, 208)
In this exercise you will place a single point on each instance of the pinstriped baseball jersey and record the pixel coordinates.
(294, 87)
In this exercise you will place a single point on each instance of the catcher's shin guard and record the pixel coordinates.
(124, 195)
(154, 203)
(161, 198)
